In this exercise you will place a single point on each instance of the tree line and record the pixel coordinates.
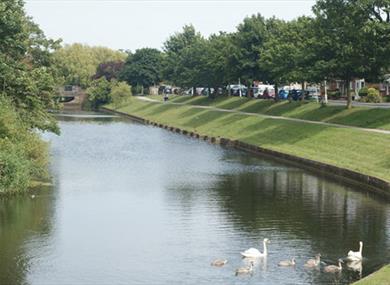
(344, 40)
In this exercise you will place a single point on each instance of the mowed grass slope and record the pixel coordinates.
(381, 277)
(358, 116)
(349, 148)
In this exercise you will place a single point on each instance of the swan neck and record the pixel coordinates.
(265, 247)
(361, 248)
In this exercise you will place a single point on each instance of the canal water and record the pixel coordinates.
(135, 204)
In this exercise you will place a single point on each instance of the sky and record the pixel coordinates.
(133, 24)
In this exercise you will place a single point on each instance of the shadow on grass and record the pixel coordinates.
(232, 103)
(281, 133)
(198, 117)
(367, 118)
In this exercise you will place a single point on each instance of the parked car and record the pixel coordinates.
(312, 93)
(263, 91)
(161, 89)
(234, 90)
(205, 91)
(190, 91)
(256, 92)
(168, 90)
(295, 94)
(283, 94)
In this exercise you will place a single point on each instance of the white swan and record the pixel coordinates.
(219, 262)
(254, 253)
(334, 268)
(356, 255)
(313, 262)
(286, 263)
(245, 270)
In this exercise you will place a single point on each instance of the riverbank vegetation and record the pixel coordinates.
(28, 85)
(352, 149)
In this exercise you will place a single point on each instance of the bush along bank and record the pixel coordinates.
(23, 155)
(353, 154)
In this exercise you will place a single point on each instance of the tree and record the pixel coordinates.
(120, 93)
(77, 63)
(286, 55)
(27, 89)
(218, 50)
(99, 92)
(243, 58)
(173, 53)
(142, 68)
(352, 39)
(110, 70)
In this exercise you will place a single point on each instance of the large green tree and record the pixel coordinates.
(77, 63)
(174, 49)
(352, 39)
(286, 55)
(143, 68)
(246, 42)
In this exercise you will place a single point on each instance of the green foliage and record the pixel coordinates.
(285, 56)
(99, 92)
(363, 91)
(143, 68)
(373, 96)
(334, 94)
(120, 93)
(77, 63)
(23, 155)
(352, 40)
(174, 49)
(243, 58)
(28, 83)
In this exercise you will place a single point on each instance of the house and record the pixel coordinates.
(357, 84)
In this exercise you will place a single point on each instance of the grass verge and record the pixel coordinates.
(364, 117)
(364, 152)
(380, 277)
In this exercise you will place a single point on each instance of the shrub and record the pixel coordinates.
(363, 92)
(23, 155)
(120, 93)
(99, 92)
(373, 96)
(334, 94)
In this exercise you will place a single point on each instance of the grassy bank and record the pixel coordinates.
(381, 277)
(348, 148)
(358, 116)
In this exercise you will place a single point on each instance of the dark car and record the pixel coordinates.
(295, 94)
(167, 90)
(161, 89)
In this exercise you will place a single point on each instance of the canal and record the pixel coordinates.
(135, 204)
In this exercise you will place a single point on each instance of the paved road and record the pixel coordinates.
(271, 117)
(359, 104)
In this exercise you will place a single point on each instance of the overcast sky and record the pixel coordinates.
(132, 24)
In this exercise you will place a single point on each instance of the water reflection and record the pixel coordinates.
(24, 225)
